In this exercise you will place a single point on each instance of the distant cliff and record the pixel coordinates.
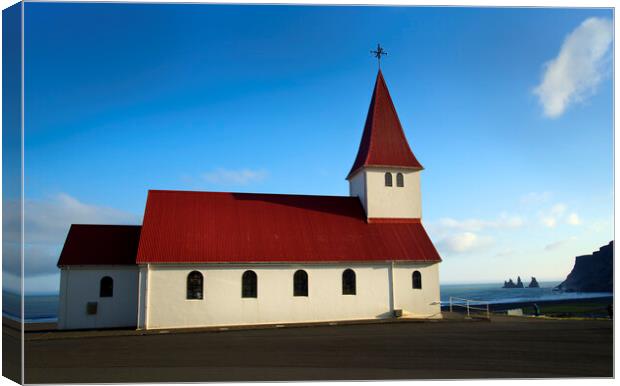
(592, 273)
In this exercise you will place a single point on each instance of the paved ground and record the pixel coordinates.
(504, 347)
(11, 350)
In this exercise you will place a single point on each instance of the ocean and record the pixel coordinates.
(37, 308)
(493, 293)
(44, 308)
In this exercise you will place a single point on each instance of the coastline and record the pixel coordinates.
(602, 301)
(593, 300)
(503, 306)
(41, 308)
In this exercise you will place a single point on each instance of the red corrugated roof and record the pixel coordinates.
(383, 142)
(100, 244)
(193, 227)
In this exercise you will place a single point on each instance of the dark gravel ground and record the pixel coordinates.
(505, 347)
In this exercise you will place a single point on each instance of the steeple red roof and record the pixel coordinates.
(383, 142)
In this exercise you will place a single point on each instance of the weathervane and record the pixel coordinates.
(378, 53)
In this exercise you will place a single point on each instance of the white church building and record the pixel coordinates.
(223, 259)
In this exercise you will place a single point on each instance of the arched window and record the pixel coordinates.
(417, 280)
(400, 180)
(248, 285)
(300, 283)
(348, 282)
(106, 287)
(388, 179)
(194, 285)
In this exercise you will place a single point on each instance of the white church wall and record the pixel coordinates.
(392, 201)
(143, 278)
(424, 302)
(80, 285)
(357, 188)
(167, 306)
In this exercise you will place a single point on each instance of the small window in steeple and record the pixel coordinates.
(400, 180)
(388, 179)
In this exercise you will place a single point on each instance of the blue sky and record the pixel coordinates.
(509, 110)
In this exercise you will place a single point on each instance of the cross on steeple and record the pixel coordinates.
(378, 53)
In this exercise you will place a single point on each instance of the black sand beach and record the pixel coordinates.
(505, 347)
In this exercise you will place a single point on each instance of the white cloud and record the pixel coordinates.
(464, 242)
(10, 283)
(553, 215)
(549, 222)
(45, 283)
(580, 66)
(573, 219)
(467, 235)
(506, 221)
(33, 284)
(558, 244)
(502, 222)
(558, 209)
(556, 214)
(234, 177)
(45, 228)
(49, 220)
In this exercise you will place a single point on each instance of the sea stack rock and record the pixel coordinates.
(509, 284)
(533, 283)
(519, 282)
(592, 273)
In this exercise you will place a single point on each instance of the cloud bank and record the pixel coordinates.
(556, 214)
(467, 236)
(473, 224)
(559, 244)
(464, 242)
(45, 228)
(580, 66)
(573, 219)
(234, 177)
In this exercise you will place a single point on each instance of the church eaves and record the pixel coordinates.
(383, 143)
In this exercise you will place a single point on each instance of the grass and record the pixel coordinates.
(572, 309)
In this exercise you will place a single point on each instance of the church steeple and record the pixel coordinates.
(383, 143)
(385, 175)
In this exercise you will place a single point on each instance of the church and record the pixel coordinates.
(203, 259)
